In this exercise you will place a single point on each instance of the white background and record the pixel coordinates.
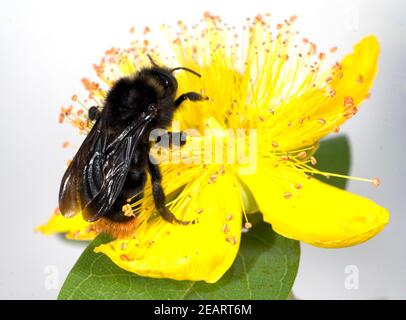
(48, 46)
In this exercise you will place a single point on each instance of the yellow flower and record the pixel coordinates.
(285, 96)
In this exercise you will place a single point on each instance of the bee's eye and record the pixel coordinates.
(164, 81)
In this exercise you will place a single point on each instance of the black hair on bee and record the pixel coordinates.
(111, 165)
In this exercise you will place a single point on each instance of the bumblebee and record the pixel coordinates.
(111, 164)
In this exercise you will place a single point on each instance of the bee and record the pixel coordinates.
(111, 165)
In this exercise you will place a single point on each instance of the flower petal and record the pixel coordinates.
(311, 211)
(305, 117)
(75, 228)
(201, 251)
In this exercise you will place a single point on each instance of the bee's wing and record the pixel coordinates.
(117, 161)
(96, 176)
(72, 192)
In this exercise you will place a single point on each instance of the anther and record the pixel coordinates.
(348, 102)
(302, 155)
(321, 121)
(234, 240)
(125, 257)
(275, 144)
(229, 217)
(248, 225)
(199, 211)
(212, 179)
(287, 195)
(225, 228)
(313, 160)
(127, 210)
(298, 186)
(65, 144)
(376, 182)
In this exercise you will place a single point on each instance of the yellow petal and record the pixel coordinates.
(311, 211)
(75, 228)
(306, 117)
(202, 251)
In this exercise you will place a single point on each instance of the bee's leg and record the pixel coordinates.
(159, 195)
(192, 96)
(171, 138)
(94, 113)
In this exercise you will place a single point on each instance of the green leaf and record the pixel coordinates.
(265, 268)
(333, 156)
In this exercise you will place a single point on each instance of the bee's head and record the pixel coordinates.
(162, 81)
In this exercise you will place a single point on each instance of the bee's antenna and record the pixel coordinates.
(152, 61)
(187, 69)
